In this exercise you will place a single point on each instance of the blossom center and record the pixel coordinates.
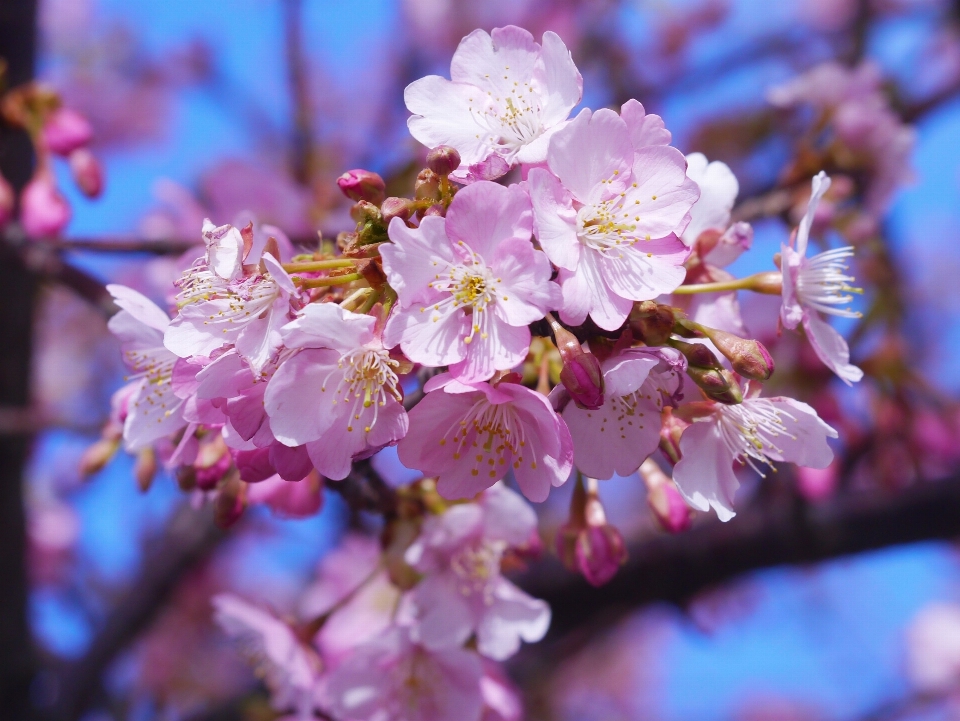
(512, 122)
(492, 435)
(475, 566)
(750, 432)
(823, 283)
(472, 288)
(608, 225)
(369, 378)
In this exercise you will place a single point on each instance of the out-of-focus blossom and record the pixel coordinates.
(471, 435)
(289, 667)
(663, 498)
(718, 191)
(933, 649)
(8, 200)
(44, 211)
(87, 172)
(65, 131)
(755, 432)
(506, 97)
(297, 499)
(462, 592)
(392, 678)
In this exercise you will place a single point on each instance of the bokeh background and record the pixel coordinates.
(218, 107)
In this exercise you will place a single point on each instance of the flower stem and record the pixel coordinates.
(324, 282)
(312, 265)
(768, 283)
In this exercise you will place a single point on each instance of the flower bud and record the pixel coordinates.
(671, 428)
(87, 172)
(581, 374)
(366, 212)
(443, 160)
(97, 456)
(7, 200)
(587, 543)
(697, 355)
(651, 322)
(65, 131)
(665, 501)
(396, 208)
(427, 186)
(749, 358)
(213, 462)
(718, 384)
(362, 185)
(435, 209)
(43, 210)
(145, 469)
(230, 502)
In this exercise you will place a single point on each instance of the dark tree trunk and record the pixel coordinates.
(17, 660)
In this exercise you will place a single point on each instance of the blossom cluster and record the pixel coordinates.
(551, 303)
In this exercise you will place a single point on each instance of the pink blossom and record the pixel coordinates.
(298, 499)
(718, 191)
(469, 284)
(462, 592)
(471, 435)
(816, 285)
(339, 394)
(353, 586)
(616, 438)
(755, 433)
(507, 96)
(501, 701)
(44, 211)
(608, 214)
(246, 312)
(933, 648)
(65, 131)
(289, 667)
(87, 172)
(392, 678)
(153, 410)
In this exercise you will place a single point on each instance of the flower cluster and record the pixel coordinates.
(432, 327)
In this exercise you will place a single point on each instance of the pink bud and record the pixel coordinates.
(427, 185)
(581, 374)
(668, 506)
(396, 208)
(7, 200)
(87, 172)
(748, 357)
(300, 499)
(43, 210)
(600, 552)
(230, 502)
(362, 185)
(65, 131)
(443, 160)
(670, 431)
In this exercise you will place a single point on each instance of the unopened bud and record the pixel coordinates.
(443, 160)
(435, 209)
(749, 358)
(87, 172)
(652, 323)
(230, 502)
(671, 428)
(427, 186)
(362, 185)
(665, 501)
(65, 131)
(717, 383)
(366, 212)
(213, 462)
(7, 200)
(396, 208)
(186, 478)
(98, 455)
(697, 355)
(581, 374)
(43, 210)
(587, 543)
(145, 469)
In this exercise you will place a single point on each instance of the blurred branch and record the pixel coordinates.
(778, 531)
(303, 149)
(189, 537)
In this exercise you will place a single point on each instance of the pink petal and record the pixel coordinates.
(718, 191)
(645, 269)
(444, 114)
(830, 347)
(644, 129)
(299, 409)
(504, 347)
(428, 336)
(664, 192)
(525, 274)
(589, 150)
(556, 220)
(327, 325)
(704, 476)
(413, 258)
(484, 60)
(484, 215)
(561, 83)
(514, 616)
(804, 440)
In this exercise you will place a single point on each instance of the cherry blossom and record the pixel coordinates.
(339, 394)
(608, 216)
(462, 592)
(289, 667)
(618, 437)
(506, 97)
(469, 284)
(471, 435)
(392, 678)
(933, 648)
(153, 410)
(816, 285)
(756, 432)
